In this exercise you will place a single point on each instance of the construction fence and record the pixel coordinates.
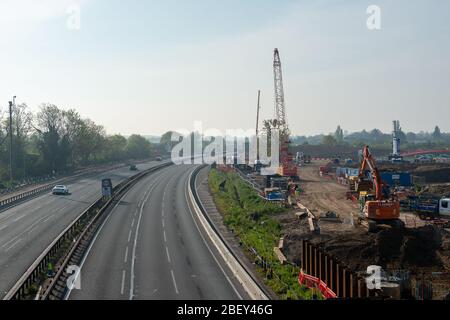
(333, 279)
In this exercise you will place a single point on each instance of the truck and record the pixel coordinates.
(428, 208)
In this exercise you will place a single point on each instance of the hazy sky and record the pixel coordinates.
(147, 66)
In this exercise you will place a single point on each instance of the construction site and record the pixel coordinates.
(354, 213)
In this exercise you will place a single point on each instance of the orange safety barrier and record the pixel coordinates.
(313, 282)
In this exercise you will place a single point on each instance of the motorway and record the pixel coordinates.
(28, 228)
(152, 247)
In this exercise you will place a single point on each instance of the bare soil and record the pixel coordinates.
(420, 248)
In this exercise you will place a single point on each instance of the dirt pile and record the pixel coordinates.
(420, 246)
(390, 248)
(434, 174)
(438, 190)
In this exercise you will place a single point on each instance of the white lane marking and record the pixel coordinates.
(29, 229)
(24, 207)
(129, 235)
(6, 244)
(165, 238)
(122, 287)
(4, 227)
(174, 282)
(93, 240)
(168, 255)
(12, 245)
(133, 256)
(33, 229)
(126, 255)
(48, 218)
(132, 223)
(206, 243)
(96, 236)
(163, 223)
(19, 218)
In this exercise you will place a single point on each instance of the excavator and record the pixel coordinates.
(381, 207)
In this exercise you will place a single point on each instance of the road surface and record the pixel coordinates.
(152, 247)
(28, 228)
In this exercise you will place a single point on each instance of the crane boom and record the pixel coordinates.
(258, 108)
(287, 168)
(280, 107)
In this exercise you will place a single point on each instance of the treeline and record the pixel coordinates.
(376, 138)
(54, 140)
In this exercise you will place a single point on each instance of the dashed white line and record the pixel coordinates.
(163, 223)
(4, 227)
(174, 282)
(133, 255)
(168, 255)
(32, 229)
(93, 242)
(132, 223)
(48, 218)
(126, 255)
(129, 235)
(13, 245)
(6, 244)
(165, 238)
(19, 218)
(122, 287)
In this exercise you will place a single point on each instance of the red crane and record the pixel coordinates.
(288, 167)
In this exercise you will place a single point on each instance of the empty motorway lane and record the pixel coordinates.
(28, 228)
(152, 247)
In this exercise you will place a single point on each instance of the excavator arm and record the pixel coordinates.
(368, 162)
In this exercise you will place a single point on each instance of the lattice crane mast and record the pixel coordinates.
(286, 159)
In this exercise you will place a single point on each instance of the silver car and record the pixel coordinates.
(61, 190)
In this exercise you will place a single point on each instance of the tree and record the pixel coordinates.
(329, 140)
(138, 147)
(89, 141)
(437, 136)
(166, 140)
(50, 122)
(411, 137)
(339, 135)
(115, 148)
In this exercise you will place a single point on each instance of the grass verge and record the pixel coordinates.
(251, 220)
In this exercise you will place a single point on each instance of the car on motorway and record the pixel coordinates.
(158, 158)
(133, 167)
(60, 190)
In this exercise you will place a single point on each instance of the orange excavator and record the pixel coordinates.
(380, 207)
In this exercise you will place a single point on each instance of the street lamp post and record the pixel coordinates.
(11, 104)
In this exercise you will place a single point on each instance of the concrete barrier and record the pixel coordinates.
(248, 283)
